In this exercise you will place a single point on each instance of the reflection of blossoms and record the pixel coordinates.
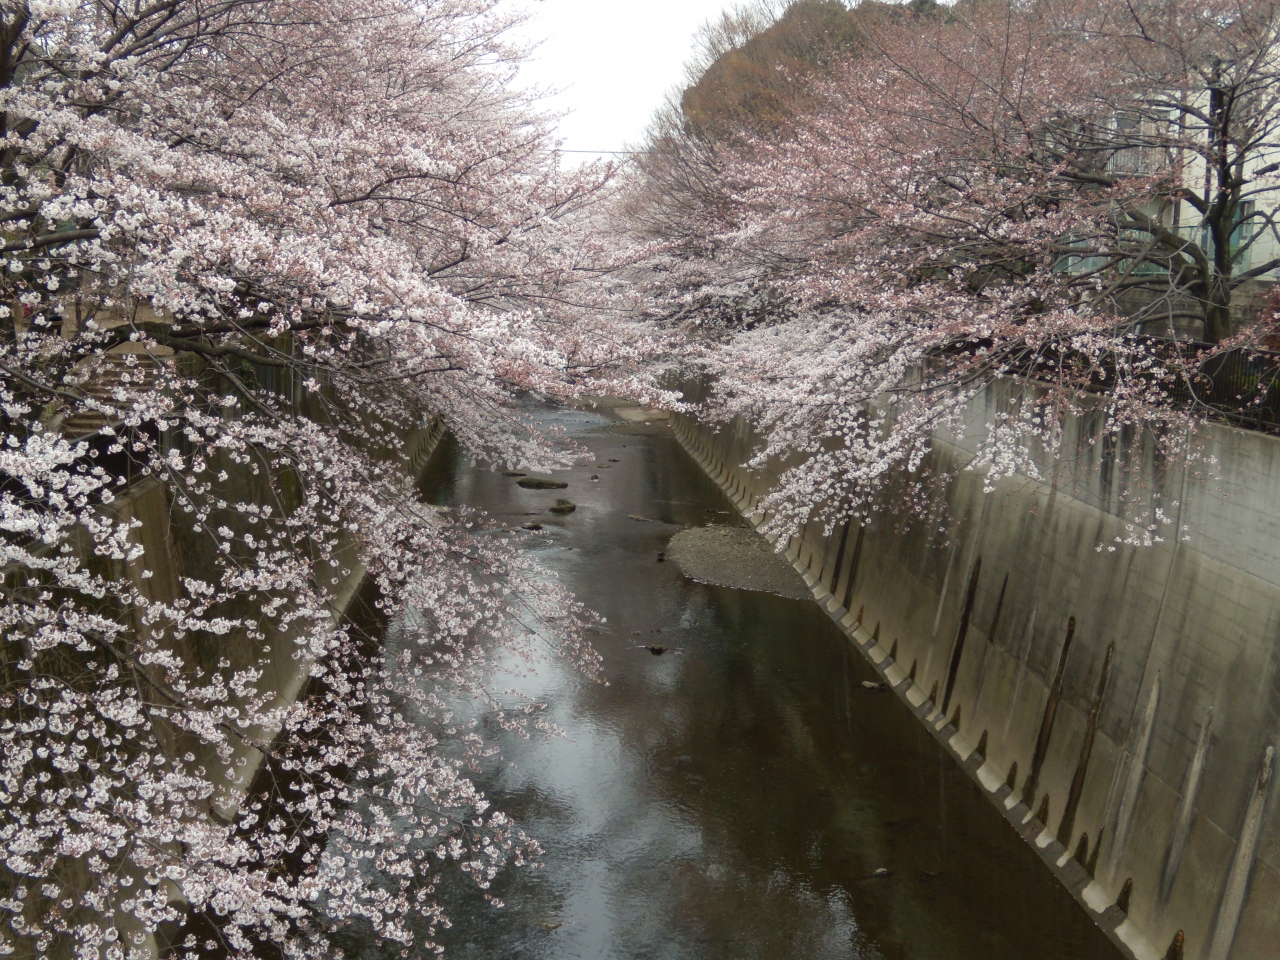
(253, 248)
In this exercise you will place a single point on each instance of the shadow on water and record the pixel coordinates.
(735, 796)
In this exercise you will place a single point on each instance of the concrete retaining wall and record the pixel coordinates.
(171, 552)
(1119, 706)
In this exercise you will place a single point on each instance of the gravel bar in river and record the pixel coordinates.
(735, 557)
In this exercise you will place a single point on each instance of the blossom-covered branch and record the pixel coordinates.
(1074, 201)
(253, 251)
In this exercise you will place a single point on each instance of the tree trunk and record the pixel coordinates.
(1217, 312)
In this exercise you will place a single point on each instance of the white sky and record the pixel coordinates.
(612, 60)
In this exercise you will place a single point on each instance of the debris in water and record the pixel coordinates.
(595, 476)
(870, 685)
(563, 506)
(662, 558)
(513, 473)
(881, 873)
(656, 650)
(550, 925)
(538, 483)
(632, 516)
(613, 460)
(530, 526)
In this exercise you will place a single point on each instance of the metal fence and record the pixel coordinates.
(1238, 386)
(1241, 386)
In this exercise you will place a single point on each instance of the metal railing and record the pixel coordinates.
(1240, 386)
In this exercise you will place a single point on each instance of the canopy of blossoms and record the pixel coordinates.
(253, 249)
(1070, 204)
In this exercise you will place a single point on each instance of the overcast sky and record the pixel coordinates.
(613, 60)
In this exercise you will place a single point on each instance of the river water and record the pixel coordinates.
(735, 796)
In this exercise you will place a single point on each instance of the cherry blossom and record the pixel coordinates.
(1050, 208)
(254, 251)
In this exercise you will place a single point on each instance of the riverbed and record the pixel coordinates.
(740, 794)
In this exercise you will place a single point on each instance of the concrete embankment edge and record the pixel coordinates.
(292, 680)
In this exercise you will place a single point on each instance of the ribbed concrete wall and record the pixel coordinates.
(1152, 727)
(171, 551)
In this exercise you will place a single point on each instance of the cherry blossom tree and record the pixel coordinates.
(253, 250)
(1044, 200)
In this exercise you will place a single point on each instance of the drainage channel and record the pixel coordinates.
(742, 787)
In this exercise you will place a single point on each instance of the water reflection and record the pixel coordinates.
(735, 796)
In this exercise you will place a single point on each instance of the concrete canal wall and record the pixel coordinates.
(172, 552)
(1121, 706)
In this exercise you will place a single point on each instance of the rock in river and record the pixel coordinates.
(539, 483)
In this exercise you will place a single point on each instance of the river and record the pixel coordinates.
(740, 795)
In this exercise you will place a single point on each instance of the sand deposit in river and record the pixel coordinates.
(735, 557)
